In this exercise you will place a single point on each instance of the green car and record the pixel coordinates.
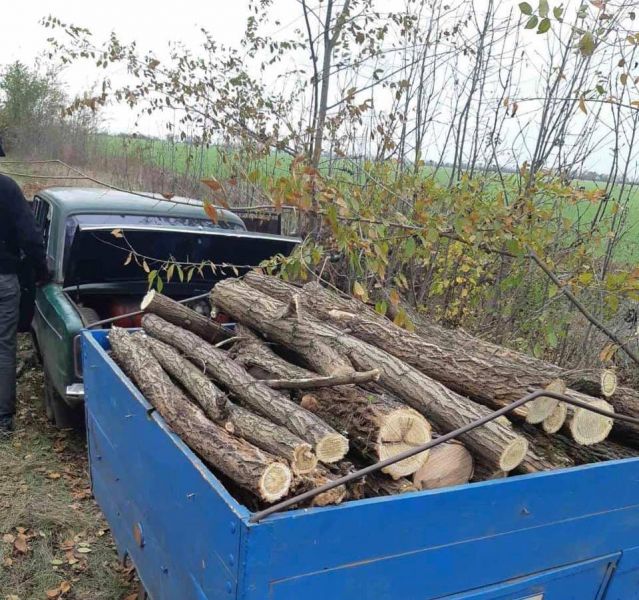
(101, 246)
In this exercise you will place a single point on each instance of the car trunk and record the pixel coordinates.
(109, 272)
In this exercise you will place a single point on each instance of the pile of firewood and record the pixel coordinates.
(312, 385)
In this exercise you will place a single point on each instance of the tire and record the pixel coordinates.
(58, 411)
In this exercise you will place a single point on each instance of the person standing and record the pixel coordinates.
(20, 239)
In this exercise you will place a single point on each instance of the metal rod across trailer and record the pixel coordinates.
(570, 534)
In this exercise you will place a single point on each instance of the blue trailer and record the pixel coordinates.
(564, 535)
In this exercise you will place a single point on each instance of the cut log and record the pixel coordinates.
(271, 437)
(319, 356)
(544, 407)
(479, 378)
(377, 484)
(448, 464)
(211, 398)
(557, 418)
(236, 420)
(484, 472)
(485, 372)
(310, 383)
(594, 382)
(329, 445)
(496, 440)
(256, 471)
(378, 427)
(311, 481)
(587, 427)
(184, 317)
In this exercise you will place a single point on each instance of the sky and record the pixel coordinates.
(153, 23)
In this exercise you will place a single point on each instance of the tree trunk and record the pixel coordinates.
(236, 420)
(329, 445)
(377, 484)
(486, 379)
(378, 427)
(448, 464)
(484, 371)
(184, 317)
(496, 441)
(254, 470)
(211, 398)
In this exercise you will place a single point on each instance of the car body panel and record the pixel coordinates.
(57, 321)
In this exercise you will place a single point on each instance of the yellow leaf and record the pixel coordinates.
(117, 233)
(359, 292)
(623, 78)
(394, 297)
(146, 268)
(582, 104)
(128, 258)
(21, 543)
(608, 352)
(54, 475)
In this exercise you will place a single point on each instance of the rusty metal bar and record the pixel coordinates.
(258, 516)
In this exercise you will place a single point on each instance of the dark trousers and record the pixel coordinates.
(9, 315)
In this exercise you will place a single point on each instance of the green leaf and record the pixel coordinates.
(159, 284)
(586, 278)
(525, 8)
(532, 22)
(587, 44)
(600, 89)
(543, 8)
(551, 337)
(410, 247)
(558, 12)
(544, 26)
(151, 277)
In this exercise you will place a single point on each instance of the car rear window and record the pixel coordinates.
(122, 220)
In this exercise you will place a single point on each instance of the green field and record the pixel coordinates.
(222, 163)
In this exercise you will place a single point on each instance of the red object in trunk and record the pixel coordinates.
(119, 306)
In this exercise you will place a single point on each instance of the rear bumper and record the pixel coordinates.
(74, 394)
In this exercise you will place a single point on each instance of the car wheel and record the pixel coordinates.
(58, 411)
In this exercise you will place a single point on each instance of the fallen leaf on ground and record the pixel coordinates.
(21, 543)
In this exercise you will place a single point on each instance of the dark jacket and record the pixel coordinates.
(19, 233)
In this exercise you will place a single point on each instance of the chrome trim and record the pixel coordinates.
(75, 391)
(251, 235)
(47, 321)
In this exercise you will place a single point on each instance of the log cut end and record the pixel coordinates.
(275, 482)
(147, 300)
(609, 382)
(334, 496)
(541, 408)
(513, 454)
(448, 464)
(401, 430)
(588, 427)
(304, 460)
(331, 448)
(554, 422)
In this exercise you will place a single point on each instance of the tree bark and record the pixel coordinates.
(378, 427)
(377, 484)
(236, 420)
(329, 445)
(448, 464)
(496, 441)
(486, 372)
(184, 317)
(254, 470)
(310, 481)
(211, 398)
(488, 380)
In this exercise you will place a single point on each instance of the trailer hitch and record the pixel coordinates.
(259, 516)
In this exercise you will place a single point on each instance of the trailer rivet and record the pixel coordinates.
(165, 570)
(233, 528)
(231, 559)
(229, 587)
(525, 512)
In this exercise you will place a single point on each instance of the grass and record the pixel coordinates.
(52, 535)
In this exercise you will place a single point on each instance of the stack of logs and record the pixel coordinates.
(312, 385)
